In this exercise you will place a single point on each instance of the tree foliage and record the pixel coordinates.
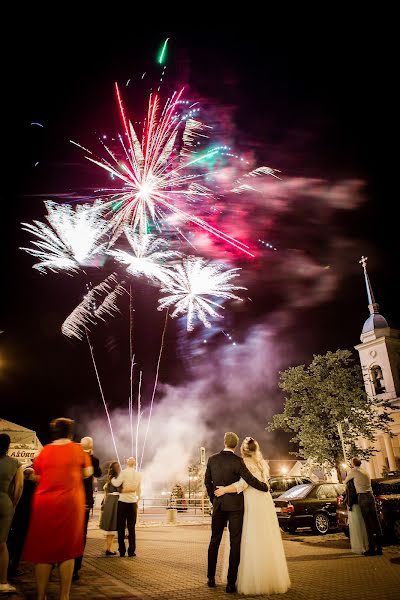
(319, 397)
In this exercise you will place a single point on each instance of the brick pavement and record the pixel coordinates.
(171, 563)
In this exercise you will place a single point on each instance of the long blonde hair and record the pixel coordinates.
(250, 450)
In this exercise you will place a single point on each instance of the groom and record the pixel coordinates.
(224, 469)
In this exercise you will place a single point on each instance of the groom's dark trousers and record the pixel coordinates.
(220, 519)
(225, 468)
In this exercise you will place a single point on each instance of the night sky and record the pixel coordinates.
(317, 104)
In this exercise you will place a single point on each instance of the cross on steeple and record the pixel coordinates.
(372, 305)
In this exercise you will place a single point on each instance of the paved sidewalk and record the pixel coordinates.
(171, 564)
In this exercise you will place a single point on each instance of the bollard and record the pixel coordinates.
(171, 515)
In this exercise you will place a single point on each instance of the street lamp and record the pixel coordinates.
(192, 478)
(284, 470)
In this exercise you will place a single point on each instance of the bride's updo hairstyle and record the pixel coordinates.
(249, 447)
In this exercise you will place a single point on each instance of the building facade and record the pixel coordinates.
(379, 354)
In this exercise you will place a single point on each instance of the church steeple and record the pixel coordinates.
(380, 364)
(375, 321)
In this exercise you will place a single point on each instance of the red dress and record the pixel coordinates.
(56, 527)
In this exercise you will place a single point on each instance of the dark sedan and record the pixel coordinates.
(387, 497)
(309, 505)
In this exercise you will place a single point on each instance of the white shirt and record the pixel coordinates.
(128, 478)
(362, 480)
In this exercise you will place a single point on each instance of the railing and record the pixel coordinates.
(158, 505)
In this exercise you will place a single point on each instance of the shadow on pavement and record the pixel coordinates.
(309, 538)
(312, 557)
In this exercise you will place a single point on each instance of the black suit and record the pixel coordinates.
(89, 503)
(224, 469)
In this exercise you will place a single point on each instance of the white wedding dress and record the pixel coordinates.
(263, 568)
(357, 530)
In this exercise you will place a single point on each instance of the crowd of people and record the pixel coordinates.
(45, 508)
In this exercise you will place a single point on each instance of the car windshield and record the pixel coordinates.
(298, 491)
(276, 486)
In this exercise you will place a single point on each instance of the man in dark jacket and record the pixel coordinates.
(223, 469)
(20, 523)
(87, 445)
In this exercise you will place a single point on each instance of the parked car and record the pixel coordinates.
(282, 483)
(387, 496)
(309, 505)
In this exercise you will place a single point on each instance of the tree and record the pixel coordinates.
(319, 398)
(178, 498)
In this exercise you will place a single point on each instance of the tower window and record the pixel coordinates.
(377, 380)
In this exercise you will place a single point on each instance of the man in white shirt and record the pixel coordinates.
(129, 496)
(366, 502)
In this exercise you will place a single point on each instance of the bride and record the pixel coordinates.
(262, 568)
(357, 530)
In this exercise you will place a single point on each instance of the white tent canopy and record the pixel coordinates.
(25, 445)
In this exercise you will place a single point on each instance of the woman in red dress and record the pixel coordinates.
(55, 532)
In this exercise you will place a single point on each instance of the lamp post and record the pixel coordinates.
(340, 431)
(202, 467)
(192, 478)
(195, 478)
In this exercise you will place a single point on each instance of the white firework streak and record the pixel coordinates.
(191, 284)
(88, 311)
(149, 256)
(73, 238)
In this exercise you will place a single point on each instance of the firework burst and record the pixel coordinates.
(73, 239)
(157, 172)
(191, 285)
(149, 258)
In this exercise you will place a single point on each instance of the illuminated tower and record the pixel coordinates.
(380, 362)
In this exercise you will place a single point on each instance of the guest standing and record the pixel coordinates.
(55, 532)
(87, 445)
(109, 510)
(11, 483)
(366, 502)
(20, 522)
(129, 496)
(357, 529)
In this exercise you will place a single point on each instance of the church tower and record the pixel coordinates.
(380, 362)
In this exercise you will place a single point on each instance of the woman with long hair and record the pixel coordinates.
(108, 518)
(55, 534)
(263, 568)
